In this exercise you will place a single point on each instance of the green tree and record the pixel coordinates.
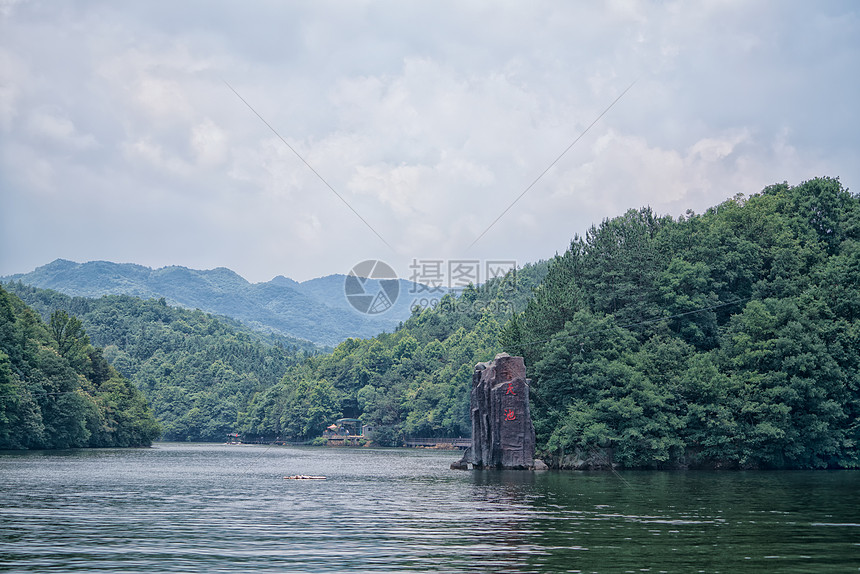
(56, 390)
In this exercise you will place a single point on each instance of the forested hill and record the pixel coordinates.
(198, 371)
(412, 382)
(726, 339)
(316, 310)
(58, 391)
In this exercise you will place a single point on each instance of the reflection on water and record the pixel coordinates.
(218, 508)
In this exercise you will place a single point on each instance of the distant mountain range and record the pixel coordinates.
(316, 310)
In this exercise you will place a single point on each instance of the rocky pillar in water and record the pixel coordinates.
(502, 432)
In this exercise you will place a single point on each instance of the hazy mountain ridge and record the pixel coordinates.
(316, 310)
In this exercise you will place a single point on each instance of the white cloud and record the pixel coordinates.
(58, 130)
(7, 6)
(12, 74)
(395, 186)
(209, 143)
(429, 119)
(154, 157)
(714, 149)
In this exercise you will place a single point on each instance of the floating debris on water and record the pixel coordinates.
(304, 477)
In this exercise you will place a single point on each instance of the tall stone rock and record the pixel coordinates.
(502, 432)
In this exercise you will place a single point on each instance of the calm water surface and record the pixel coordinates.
(220, 508)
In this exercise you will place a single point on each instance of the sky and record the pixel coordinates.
(301, 138)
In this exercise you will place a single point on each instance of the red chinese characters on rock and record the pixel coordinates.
(502, 432)
(510, 415)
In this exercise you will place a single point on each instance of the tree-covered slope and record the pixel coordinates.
(412, 382)
(58, 391)
(726, 339)
(315, 310)
(198, 371)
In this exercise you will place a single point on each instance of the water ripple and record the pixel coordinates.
(213, 508)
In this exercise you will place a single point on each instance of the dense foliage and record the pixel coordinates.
(316, 310)
(727, 339)
(413, 382)
(58, 391)
(198, 371)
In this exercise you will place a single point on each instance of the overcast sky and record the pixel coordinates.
(121, 140)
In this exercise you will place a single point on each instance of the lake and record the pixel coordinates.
(221, 508)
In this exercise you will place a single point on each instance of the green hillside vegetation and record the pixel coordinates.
(413, 382)
(58, 391)
(729, 339)
(198, 371)
(316, 310)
